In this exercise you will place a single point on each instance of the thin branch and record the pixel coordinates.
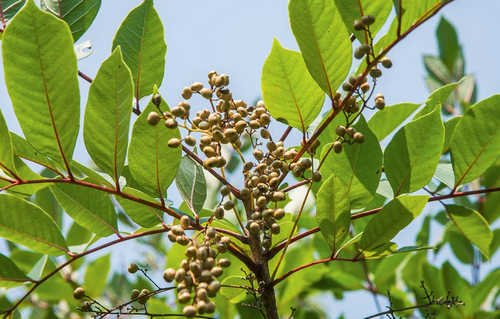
(113, 191)
(285, 134)
(312, 263)
(429, 14)
(311, 231)
(76, 257)
(85, 76)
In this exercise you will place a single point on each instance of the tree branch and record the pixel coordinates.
(113, 191)
(311, 231)
(429, 14)
(312, 263)
(9, 311)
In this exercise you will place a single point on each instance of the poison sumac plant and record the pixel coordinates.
(279, 200)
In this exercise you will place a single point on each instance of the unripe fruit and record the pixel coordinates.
(223, 262)
(174, 142)
(380, 103)
(186, 93)
(361, 51)
(279, 213)
(367, 19)
(153, 118)
(213, 287)
(316, 177)
(254, 228)
(169, 274)
(347, 87)
(350, 131)
(79, 293)
(228, 205)
(245, 193)
(219, 212)
(375, 73)
(337, 147)
(143, 296)
(216, 271)
(206, 93)
(135, 293)
(210, 307)
(275, 228)
(211, 232)
(196, 86)
(358, 25)
(340, 130)
(184, 297)
(156, 99)
(365, 87)
(185, 221)
(170, 123)
(386, 62)
(133, 268)
(190, 140)
(179, 275)
(358, 137)
(189, 311)
(278, 196)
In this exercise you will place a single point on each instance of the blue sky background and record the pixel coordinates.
(235, 37)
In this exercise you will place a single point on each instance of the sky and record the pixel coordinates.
(235, 37)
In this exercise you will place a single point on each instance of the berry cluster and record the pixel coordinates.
(197, 275)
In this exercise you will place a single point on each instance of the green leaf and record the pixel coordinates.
(437, 98)
(141, 214)
(90, 208)
(323, 41)
(289, 91)
(26, 224)
(461, 246)
(484, 288)
(234, 295)
(10, 274)
(449, 129)
(456, 285)
(6, 148)
(107, 115)
(41, 78)
(96, 276)
(386, 271)
(413, 154)
(475, 145)
(152, 163)
(474, 227)
(26, 174)
(449, 48)
(190, 181)
(333, 211)
(24, 149)
(437, 68)
(10, 8)
(383, 122)
(350, 11)
(78, 14)
(387, 223)
(77, 235)
(141, 38)
(444, 173)
(359, 166)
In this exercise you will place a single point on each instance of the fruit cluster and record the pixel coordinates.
(197, 275)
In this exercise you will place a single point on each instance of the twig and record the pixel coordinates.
(85, 76)
(281, 245)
